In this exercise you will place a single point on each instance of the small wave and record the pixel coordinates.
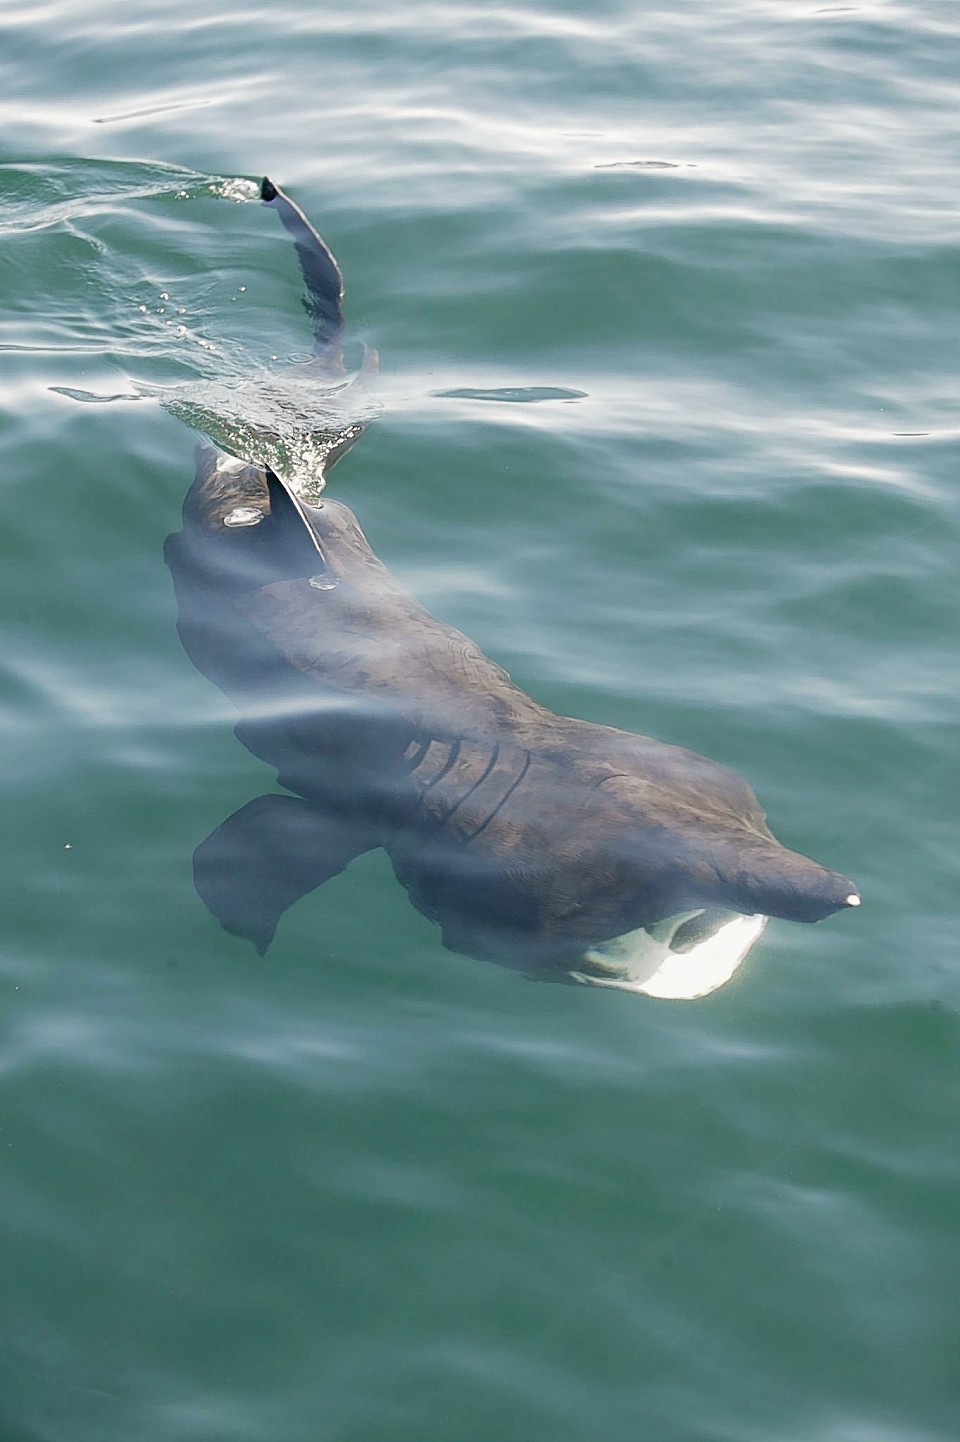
(91, 398)
(524, 395)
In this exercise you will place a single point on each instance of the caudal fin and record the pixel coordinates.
(321, 274)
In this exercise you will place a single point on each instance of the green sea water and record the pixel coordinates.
(667, 302)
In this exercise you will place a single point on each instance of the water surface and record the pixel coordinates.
(366, 1189)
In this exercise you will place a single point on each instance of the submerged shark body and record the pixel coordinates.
(568, 850)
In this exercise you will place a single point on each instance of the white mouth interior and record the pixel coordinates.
(645, 961)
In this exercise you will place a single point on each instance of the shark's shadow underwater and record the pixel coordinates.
(567, 850)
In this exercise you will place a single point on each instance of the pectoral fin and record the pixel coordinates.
(266, 856)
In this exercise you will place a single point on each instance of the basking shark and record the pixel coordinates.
(567, 850)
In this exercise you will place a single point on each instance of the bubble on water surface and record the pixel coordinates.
(244, 516)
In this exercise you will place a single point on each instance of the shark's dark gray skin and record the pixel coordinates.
(532, 839)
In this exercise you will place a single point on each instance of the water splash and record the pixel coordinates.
(293, 420)
(236, 189)
(295, 416)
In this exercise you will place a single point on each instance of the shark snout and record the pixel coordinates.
(783, 883)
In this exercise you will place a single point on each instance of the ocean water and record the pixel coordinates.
(667, 301)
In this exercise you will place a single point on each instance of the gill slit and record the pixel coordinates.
(503, 800)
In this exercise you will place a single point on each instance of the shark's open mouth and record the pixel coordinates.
(681, 958)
